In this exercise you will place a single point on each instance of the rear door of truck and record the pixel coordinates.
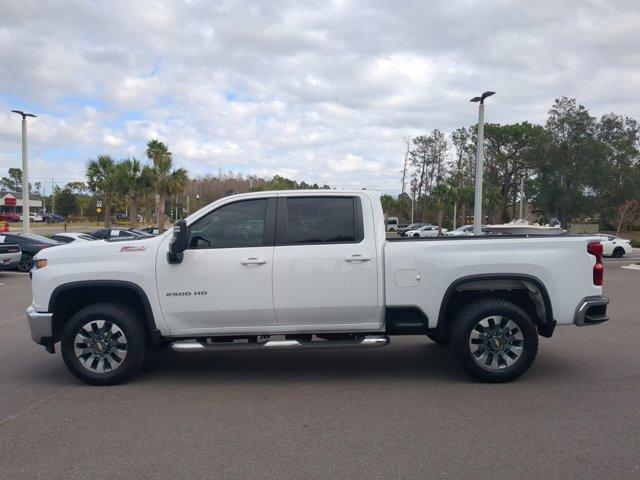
(325, 267)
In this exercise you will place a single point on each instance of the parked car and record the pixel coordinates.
(10, 217)
(313, 270)
(467, 230)
(151, 230)
(30, 244)
(615, 246)
(425, 231)
(34, 217)
(70, 237)
(414, 226)
(10, 254)
(53, 218)
(111, 233)
(392, 224)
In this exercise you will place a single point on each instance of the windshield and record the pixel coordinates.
(39, 238)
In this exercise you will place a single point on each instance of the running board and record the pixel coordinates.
(195, 346)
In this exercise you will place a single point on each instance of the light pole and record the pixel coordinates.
(477, 206)
(26, 224)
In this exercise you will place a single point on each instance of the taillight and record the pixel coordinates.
(595, 249)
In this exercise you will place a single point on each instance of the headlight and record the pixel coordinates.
(41, 263)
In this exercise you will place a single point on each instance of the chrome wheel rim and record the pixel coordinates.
(100, 346)
(496, 343)
(25, 264)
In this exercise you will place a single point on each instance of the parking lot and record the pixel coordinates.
(403, 411)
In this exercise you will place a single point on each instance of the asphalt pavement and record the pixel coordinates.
(402, 411)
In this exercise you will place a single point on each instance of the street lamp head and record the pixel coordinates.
(20, 112)
(482, 97)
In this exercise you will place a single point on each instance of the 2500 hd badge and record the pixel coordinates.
(186, 294)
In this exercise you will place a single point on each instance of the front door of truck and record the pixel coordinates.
(225, 278)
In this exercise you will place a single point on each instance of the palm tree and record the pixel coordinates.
(134, 182)
(102, 179)
(165, 179)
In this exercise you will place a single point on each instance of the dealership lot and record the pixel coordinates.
(403, 411)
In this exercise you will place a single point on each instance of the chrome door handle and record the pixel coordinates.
(357, 258)
(253, 261)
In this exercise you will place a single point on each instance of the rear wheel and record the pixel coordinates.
(26, 262)
(494, 340)
(104, 344)
(618, 252)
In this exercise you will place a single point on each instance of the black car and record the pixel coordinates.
(52, 218)
(113, 233)
(30, 244)
(413, 226)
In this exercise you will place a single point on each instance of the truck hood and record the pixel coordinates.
(80, 252)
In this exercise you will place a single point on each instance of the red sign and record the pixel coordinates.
(10, 201)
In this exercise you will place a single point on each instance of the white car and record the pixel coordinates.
(423, 232)
(392, 224)
(615, 246)
(70, 237)
(34, 217)
(466, 230)
(10, 254)
(305, 269)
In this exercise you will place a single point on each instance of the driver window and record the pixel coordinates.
(239, 224)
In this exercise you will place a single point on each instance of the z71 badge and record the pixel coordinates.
(133, 248)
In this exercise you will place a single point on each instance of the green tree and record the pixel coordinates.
(165, 179)
(510, 153)
(134, 183)
(567, 161)
(102, 180)
(13, 182)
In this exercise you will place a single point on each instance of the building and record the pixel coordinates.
(12, 202)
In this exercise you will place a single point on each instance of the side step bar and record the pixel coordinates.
(196, 346)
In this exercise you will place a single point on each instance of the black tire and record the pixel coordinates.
(121, 318)
(416, 235)
(26, 263)
(618, 252)
(481, 367)
(440, 339)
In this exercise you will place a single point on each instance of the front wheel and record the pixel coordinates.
(416, 235)
(104, 344)
(494, 340)
(618, 252)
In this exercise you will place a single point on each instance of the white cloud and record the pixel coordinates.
(320, 91)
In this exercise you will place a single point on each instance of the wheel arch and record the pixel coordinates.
(68, 298)
(499, 286)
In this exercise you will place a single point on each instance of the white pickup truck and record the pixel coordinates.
(309, 269)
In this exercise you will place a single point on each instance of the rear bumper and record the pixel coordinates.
(41, 326)
(7, 263)
(591, 311)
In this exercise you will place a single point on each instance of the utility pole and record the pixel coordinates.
(404, 168)
(26, 224)
(477, 207)
(522, 198)
(53, 197)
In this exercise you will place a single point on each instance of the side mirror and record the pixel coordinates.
(179, 242)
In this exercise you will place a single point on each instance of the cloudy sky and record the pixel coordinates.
(318, 91)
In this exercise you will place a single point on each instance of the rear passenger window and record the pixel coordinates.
(321, 220)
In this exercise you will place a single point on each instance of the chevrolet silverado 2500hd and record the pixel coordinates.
(309, 269)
